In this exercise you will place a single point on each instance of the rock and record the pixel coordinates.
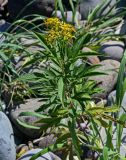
(2, 105)
(91, 59)
(82, 23)
(103, 102)
(47, 140)
(67, 4)
(29, 105)
(4, 26)
(106, 82)
(69, 16)
(121, 5)
(2, 39)
(121, 29)
(31, 44)
(47, 156)
(112, 50)
(86, 7)
(114, 139)
(7, 146)
(19, 137)
(112, 100)
(22, 148)
(41, 7)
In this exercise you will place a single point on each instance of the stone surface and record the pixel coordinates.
(42, 7)
(91, 59)
(121, 5)
(112, 50)
(106, 82)
(47, 156)
(112, 100)
(4, 26)
(47, 140)
(22, 147)
(7, 146)
(121, 28)
(123, 142)
(2, 105)
(87, 6)
(29, 105)
(69, 16)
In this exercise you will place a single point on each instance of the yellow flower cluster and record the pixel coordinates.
(52, 23)
(58, 30)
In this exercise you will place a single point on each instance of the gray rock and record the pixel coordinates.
(2, 38)
(112, 50)
(47, 140)
(121, 5)
(107, 82)
(91, 59)
(87, 6)
(7, 146)
(29, 106)
(112, 100)
(121, 29)
(82, 23)
(2, 105)
(69, 16)
(42, 7)
(114, 138)
(4, 26)
(47, 156)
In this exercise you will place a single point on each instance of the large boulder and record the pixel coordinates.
(112, 101)
(69, 16)
(42, 7)
(121, 5)
(30, 105)
(107, 81)
(112, 50)
(3, 26)
(87, 6)
(47, 156)
(7, 146)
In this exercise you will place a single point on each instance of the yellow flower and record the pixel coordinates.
(52, 23)
(67, 27)
(58, 30)
(67, 31)
(52, 36)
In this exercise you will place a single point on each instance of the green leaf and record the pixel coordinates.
(93, 14)
(61, 90)
(105, 153)
(74, 138)
(27, 125)
(60, 4)
(80, 42)
(120, 81)
(34, 114)
(120, 131)
(109, 133)
(52, 148)
(27, 77)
